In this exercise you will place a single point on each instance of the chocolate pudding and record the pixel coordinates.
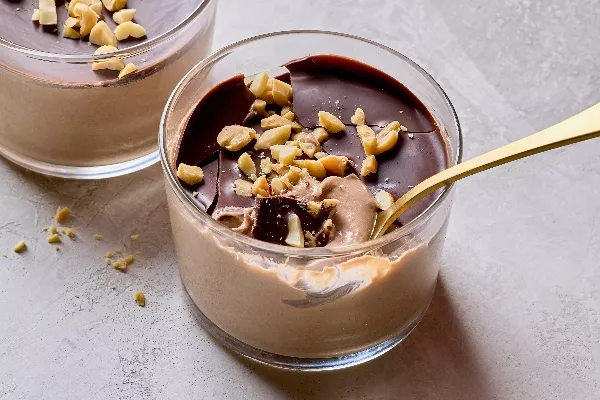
(302, 161)
(57, 113)
(330, 84)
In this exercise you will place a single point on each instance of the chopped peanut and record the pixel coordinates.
(289, 115)
(367, 138)
(314, 167)
(330, 122)
(54, 238)
(235, 137)
(96, 7)
(310, 149)
(277, 186)
(242, 188)
(266, 165)
(282, 92)
(369, 166)
(335, 165)
(20, 247)
(259, 84)
(114, 5)
(331, 202)
(62, 213)
(74, 3)
(129, 29)
(35, 17)
(70, 33)
(273, 137)
(122, 263)
(124, 15)
(321, 134)
(275, 121)
(359, 117)
(285, 154)
(105, 49)
(259, 106)
(190, 174)
(320, 154)
(267, 94)
(88, 20)
(47, 13)
(129, 69)
(72, 22)
(114, 64)
(68, 231)
(246, 164)
(285, 110)
(102, 35)
(295, 236)
(314, 207)
(386, 142)
(261, 187)
(383, 199)
(140, 299)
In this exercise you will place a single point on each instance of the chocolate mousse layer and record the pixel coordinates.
(322, 83)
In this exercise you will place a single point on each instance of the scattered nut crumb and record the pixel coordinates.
(57, 248)
(98, 237)
(140, 299)
(20, 247)
(109, 254)
(108, 261)
(54, 238)
(52, 229)
(68, 231)
(331, 203)
(330, 122)
(118, 251)
(277, 186)
(134, 237)
(36, 15)
(62, 213)
(113, 64)
(190, 174)
(122, 263)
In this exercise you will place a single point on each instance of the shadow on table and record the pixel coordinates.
(435, 362)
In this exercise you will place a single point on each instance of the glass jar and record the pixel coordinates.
(311, 308)
(58, 117)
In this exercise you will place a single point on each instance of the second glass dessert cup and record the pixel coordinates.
(313, 308)
(58, 117)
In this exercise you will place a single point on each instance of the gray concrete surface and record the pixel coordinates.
(517, 311)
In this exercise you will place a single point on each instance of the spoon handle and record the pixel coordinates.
(583, 126)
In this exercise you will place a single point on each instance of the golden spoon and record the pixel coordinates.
(583, 126)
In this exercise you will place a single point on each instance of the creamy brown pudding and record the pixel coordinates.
(56, 110)
(303, 160)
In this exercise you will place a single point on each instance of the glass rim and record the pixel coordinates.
(136, 48)
(293, 252)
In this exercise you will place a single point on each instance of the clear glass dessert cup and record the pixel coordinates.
(314, 308)
(58, 118)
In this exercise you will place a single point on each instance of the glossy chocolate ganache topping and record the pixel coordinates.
(309, 157)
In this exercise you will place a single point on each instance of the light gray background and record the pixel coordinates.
(516, 314)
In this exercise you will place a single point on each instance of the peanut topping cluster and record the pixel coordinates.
(86, 20)
(287, 154)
